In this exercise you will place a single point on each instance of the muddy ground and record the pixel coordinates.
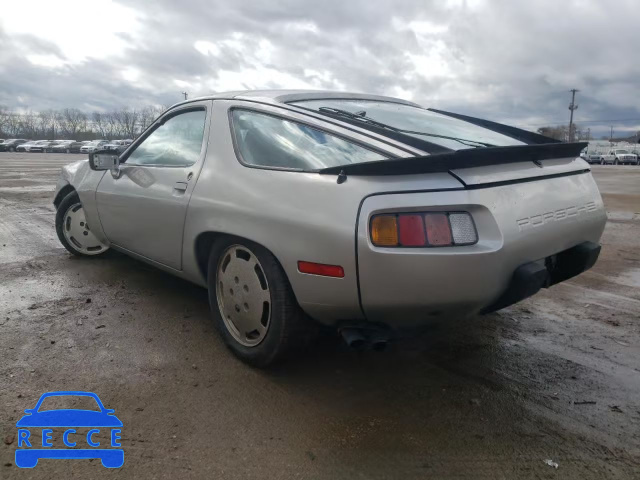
(554, 378)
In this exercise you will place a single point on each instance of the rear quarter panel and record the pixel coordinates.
(297, 216)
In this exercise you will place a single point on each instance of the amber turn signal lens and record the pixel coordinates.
(384, 231)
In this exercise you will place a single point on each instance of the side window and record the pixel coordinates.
(176, 143)
(268, 141)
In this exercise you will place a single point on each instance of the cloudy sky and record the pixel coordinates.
(508, 60)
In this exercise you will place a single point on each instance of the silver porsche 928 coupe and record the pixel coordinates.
(360, 212)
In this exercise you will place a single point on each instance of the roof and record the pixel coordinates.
(287, 96)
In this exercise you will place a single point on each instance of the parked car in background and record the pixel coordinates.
(26, 147)
(593, 157)
(54, 144)
(364, 213)
(92, 146)
(117, 145)
(41, 146)
(66, 146)
(607, 158)
(623, 157)
(11, 144)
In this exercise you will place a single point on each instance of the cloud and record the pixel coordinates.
(504, 60)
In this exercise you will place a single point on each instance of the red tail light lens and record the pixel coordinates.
(423, 229)
(411, 230)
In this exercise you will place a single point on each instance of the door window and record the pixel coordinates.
(175, 143)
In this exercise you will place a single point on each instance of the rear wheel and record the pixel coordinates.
(73, 230)
(252, 303)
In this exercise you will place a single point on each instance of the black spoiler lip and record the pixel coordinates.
(466, 158)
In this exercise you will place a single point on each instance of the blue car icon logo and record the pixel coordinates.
(34, 444)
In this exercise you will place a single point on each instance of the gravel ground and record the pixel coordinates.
(556, 377)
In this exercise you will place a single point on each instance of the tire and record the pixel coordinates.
(602, 161)
(12, 149)
(286, 328)
(615, 162)
(73, 231)
(67, 151)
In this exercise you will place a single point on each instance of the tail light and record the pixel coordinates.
(424, 229)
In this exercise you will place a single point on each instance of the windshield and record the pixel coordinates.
(96, 142)
(406, 117)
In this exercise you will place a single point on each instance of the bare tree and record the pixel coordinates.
(126, 121)
(4, 120)
(72, 121)
(101, 124)
(148, 115)
(47, 121)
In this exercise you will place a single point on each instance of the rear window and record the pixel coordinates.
(268, 141)
(407, 117)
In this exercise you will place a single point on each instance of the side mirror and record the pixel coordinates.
(105, 160)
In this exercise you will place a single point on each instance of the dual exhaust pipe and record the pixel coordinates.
(364, 338)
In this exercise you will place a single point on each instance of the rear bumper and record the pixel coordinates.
(537, 229)
(529, 278)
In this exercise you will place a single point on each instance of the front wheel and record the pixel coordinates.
(253, 304)
(73, 230)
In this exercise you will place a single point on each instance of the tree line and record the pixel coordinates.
(561, 132)
(74, 124)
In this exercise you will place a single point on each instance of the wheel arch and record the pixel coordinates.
(63, 192)
(204, 242)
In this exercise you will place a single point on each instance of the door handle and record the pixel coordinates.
(180, 186)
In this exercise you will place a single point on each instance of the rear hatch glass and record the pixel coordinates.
(407, 117)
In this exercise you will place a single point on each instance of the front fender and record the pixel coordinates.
(79, 177)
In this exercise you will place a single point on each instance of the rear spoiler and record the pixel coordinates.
(513, 132)
(466, 158)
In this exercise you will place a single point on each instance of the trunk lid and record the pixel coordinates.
(501, 174)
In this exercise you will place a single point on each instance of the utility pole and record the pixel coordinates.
(185, 95)
(611, 136)
(572, 107)
(588, 134)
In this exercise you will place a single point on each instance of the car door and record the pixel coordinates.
(142, 207)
